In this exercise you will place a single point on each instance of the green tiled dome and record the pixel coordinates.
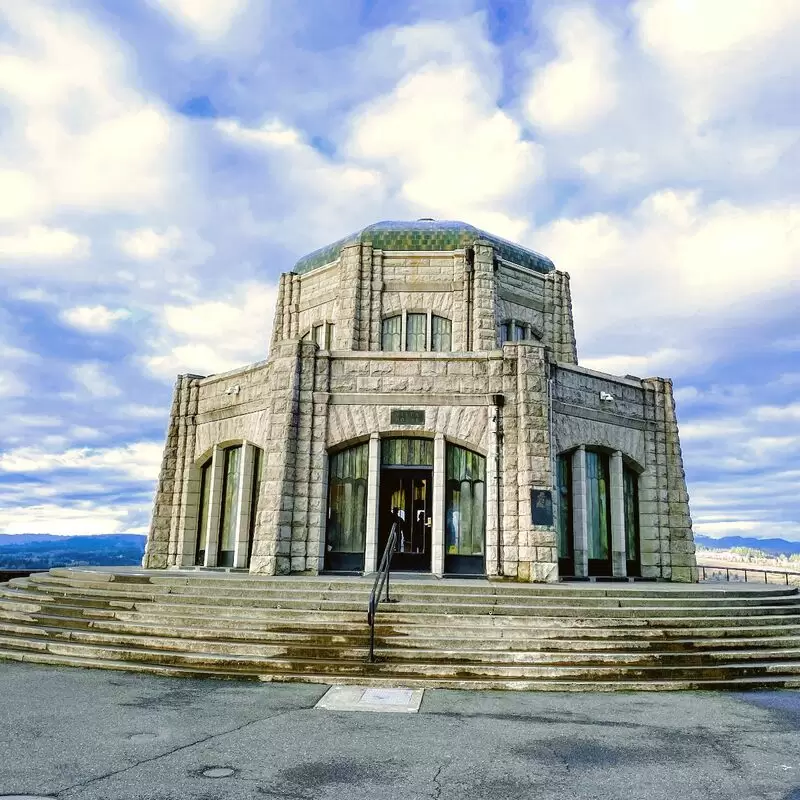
(425, 234)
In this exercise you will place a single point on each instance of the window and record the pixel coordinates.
(419, 337)
(202, 517)
(630, 488)
(258, 474)
(512, 330)
(347, 508)
(598, 505)
(391, 333)
(465, 502)
(416, 328)
(441, 336)
(229, 512)
(407, 452)
(318, 335)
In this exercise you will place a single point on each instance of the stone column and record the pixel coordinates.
(371, 554)
(244, 503)
(214, 507)
(618, 558)
(437, 532)
(492, 493)
(580, 521)
(484, 332)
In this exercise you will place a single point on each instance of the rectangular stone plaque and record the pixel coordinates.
(541, 506)
(407, 416)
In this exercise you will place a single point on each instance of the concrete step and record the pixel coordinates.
(415, 595)
(334, 668)
(19, 636)
(231, 580)
(422, 682)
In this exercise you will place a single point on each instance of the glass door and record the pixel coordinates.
(406, 496)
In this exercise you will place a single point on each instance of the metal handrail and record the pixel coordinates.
(375, 595)
(766, 572)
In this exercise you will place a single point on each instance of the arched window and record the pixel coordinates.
(416, 327)
(230, 485)
(410, 331)
(465, 510)
(346, 532)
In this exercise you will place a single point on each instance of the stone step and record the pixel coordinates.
(730, 684)
(417, 594)
(427, 586)
(388, 652)
(550, 610)
(400, 671)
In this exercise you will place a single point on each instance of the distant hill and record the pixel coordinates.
(42, 550)
(772, 546)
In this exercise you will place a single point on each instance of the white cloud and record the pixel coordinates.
(93, 318)
(139, 461)
(40, 242)
(83, 135)
(11, 385)
(92, 379)
(85, 518)
(206, 19)
(580, 85)
(214, 336)
(147, 244)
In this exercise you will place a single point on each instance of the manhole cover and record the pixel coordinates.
(218, 772)
(362, 698)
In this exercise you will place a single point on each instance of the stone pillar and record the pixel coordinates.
(244, 505)
(484, 333)
(371, 554)
(437, 532)
(277, 322)
(618, 557)
(347, 311)
(580, 521)
(493, 469)
(214, 507)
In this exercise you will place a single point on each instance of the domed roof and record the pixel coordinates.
(425, 234)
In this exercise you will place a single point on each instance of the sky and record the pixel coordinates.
(163, 161)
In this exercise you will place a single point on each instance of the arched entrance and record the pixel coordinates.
(346, 527)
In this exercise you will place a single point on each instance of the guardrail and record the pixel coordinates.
(785, 574)
(375, 595)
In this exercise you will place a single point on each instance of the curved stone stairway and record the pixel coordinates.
(452, 634)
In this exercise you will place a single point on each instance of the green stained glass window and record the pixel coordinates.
(407, 452)
(416, 327)
(202, 516)
(441, 335)
(258, 474)
(564, 489)
(391, 333)
(347, 500)
(597, 504)
(465, 502)
(229, 512)
(630, 481)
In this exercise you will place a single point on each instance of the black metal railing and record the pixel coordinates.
(381, 579)
(765, 572)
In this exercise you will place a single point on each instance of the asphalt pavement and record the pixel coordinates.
(78, 734)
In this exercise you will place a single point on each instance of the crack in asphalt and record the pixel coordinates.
(178, 749)
(437, 786)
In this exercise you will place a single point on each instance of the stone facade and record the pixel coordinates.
(329, 384)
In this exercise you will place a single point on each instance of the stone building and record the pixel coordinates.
(424, 372)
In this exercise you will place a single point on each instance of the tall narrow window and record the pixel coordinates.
(465, 504)
(441, 335)
(564, 489)
(229, 516)
(319, 336)
(416, 325)
(202, 516)
(391, 338)
(630, 485)
(519, 332)
(347, 508)
(258, 463)
(329, 331)
(597, 505)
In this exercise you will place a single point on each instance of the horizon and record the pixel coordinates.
(166, 161)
